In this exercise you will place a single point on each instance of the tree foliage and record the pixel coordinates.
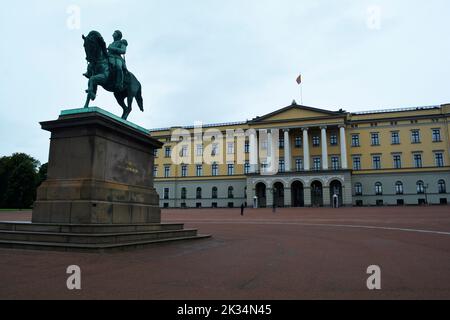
(19, 178)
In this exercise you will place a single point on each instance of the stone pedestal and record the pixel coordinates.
(100, 170)
(99, 191)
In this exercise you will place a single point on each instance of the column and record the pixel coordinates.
(287, 197)
(253, 151)
(306, 165)
(324, 143)
(307, 195)
(273, 151)
(326, 196)
(344, 164)
(269, 164)
(269, 197)
(287, 151)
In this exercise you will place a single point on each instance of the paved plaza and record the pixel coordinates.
(305, 253)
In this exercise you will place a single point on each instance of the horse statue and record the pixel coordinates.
(101, 71)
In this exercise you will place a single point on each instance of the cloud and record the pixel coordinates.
(219, 61)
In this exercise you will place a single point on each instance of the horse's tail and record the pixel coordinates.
(139, 99)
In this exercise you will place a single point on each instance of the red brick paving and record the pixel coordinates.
(290, 254)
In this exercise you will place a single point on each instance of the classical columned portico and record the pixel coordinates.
(323, 142)
(343, 147)
(271, 136)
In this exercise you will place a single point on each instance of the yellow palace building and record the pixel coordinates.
(301, 156)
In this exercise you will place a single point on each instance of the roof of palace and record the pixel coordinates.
(296, 106)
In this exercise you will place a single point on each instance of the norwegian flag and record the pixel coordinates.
(299, 79)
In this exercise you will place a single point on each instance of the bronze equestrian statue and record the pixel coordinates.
(107, 68)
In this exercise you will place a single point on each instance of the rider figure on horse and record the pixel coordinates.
(116, 50)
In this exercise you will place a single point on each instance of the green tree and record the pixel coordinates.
(18, 180)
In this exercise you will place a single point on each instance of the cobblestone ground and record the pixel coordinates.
(293, 253)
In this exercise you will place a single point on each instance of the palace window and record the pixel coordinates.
(375, 138)
(417, 160)
(155, 171)
(316, 141)
(395, 137)
(358, 189)
(317, 163)
(198, 193)
(230, 192)
(439, 159)
(397, 159)
(281, 142)
(166, 171)
(378, 189)
(376, 162)
(420, 187)
(184, 170)
(299, 164)
(247, 147)
(415, 136)
(199, 150)
(230, 147)
(398, 187)
(357, 163)
(214, 169)
(355, 140)
(183, 193)
(183, 151)
(335, 163)
(247, 167)
(167, 152)
(166, 193)
(214, 193)
(436, 135)
(441, 187)
(333, 139)
(230, 169)
(199, 170)
(281, 166)
(298, 141)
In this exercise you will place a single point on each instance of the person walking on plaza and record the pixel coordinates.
(242, 209)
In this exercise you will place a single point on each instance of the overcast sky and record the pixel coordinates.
(219, 61)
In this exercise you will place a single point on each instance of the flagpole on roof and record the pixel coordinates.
(301, 93)
(300, 83)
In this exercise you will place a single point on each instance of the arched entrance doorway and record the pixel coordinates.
(260, 190)
(336, 194)
(297, 195)
(316, 194)
(278, 194)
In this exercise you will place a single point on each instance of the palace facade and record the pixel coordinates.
(301, 156)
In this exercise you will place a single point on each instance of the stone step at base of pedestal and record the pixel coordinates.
(87, 228)
(106, 238)
(54, 246)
